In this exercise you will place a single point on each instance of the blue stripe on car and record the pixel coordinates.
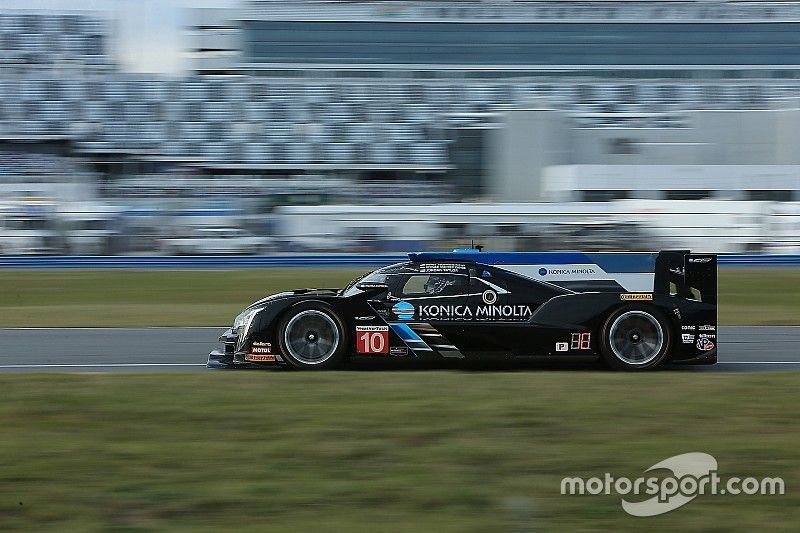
(408, 336)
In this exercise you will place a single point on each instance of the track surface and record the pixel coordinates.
(171, 349)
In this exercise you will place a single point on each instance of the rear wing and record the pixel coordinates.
(682, 273)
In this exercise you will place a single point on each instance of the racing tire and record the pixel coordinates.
(312, 337)
(635, 338)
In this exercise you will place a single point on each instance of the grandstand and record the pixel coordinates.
(21, 164)
(244, 122)
(479, 39)
(31, 42)
(347, 107)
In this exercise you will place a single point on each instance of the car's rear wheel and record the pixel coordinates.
(635, 338)
(312, 337)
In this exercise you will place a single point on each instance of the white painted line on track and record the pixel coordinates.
(99, 365)
(757, 363)
(111, 328)
(103, 365)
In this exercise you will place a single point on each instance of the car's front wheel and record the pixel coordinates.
(635, 338)
(312, 337)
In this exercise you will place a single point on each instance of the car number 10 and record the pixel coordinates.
(372, 339)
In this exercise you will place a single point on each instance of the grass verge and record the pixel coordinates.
(378, 451)
(190, 298)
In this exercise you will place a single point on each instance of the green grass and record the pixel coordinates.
(145, 297)
(191, 298)
(759, 296)
(383, 451)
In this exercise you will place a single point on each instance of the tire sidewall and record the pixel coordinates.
(605, 345)
(341, 350)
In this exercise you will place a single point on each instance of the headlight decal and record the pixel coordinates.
(242, 318)
(247, 321)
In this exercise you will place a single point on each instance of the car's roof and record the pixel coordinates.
(499, 258)
(608, 261)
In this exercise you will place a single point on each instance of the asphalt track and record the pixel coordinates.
(751, 349)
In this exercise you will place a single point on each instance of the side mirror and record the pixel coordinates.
(372, 286)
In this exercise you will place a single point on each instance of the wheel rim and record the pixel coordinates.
(636, 337)
(311, 337)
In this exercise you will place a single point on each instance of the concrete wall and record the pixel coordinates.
(649, 146)
(535, 139)
(219, 33)
(530, 141)
(567, 183)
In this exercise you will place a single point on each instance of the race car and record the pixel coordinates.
(633, 310)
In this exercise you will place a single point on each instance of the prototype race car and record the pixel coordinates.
(634, 310)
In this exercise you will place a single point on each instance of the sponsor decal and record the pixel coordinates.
(707, 327)
(687, 338)
(481, 312)
(400, 351)
(687, 328)
(441, 268)
(403, 310)
(260, 358)
(707, 335)
(372, 339)
(700, 259)
(581, 341)
(575, 271)
(489, 297)
(261, 347)
(260, 352)
(562, 346)
(364, 318)
(705, 344)
(641, 296)
(372, 285)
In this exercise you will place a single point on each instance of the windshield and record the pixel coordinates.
(378, 276)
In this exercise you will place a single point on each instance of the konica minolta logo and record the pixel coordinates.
(403, 310)
(584, 271)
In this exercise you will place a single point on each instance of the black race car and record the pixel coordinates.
(635, 310)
